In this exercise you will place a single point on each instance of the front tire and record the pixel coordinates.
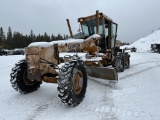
(19, 79)
(72, 83)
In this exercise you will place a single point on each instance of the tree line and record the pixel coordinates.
(16, 39)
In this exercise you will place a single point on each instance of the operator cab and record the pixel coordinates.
(106, 28)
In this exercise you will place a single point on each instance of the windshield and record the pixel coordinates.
(89, 27)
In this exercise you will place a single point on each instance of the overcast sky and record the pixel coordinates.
(135, 18)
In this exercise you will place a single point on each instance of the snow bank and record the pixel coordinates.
(144, 44)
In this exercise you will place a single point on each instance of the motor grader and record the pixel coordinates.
(43, 61)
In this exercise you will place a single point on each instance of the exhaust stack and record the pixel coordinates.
(70, 30)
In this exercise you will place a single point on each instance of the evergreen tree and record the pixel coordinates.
(67, 36)
(59, 37)
(53, 37)
(18, 40)
(46, 37)
(64, 37)
(31, 36)
(38, 38)
(26, 41)
(2, 36)
(9, 38)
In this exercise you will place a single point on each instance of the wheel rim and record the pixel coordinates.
(26, 80)
(78, 82)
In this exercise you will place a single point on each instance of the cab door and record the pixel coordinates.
(113, 34)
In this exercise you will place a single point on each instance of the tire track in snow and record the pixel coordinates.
(41, 107)
(141, 71)
(106, 109)
(13, 101)
(143, 63)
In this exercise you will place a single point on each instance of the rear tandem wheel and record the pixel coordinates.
(126, 61)
(118, 63)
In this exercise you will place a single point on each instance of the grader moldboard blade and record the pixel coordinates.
(107, 73)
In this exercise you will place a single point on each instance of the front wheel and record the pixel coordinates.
(19, 79)
(72, 83)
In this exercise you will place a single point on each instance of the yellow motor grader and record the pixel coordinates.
(100, 59)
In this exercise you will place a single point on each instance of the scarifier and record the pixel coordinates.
(100, 59)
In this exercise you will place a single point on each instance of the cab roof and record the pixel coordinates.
(93, 17)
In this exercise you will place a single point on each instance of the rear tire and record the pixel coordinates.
(72, 83)
(19, 79)
(118, 63)
(126, 61)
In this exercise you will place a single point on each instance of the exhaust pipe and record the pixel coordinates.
(97, 29)
(97, 22)
(69, 28)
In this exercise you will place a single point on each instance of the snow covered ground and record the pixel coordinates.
(135, 97)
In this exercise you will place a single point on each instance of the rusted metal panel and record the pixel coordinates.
(32, 51)
(49, 79)
(35, 67)
(34, 74)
